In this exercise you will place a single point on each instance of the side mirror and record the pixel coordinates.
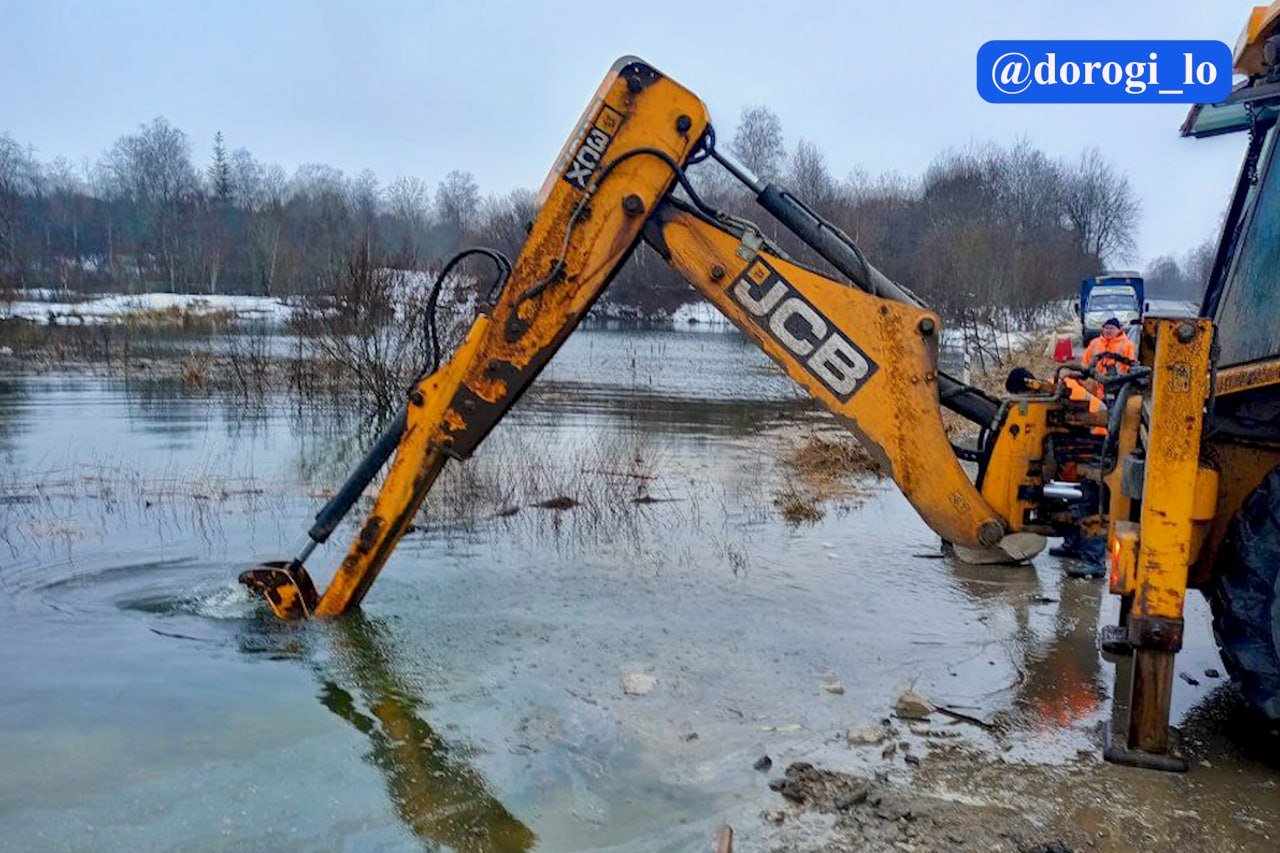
(1075, 306)
(1146, 307)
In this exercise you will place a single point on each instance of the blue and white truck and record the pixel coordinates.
(1114, 294)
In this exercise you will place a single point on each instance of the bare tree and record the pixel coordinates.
(364, 202)
(409, 198)
(504, 222)
(152, 169)
(408, 201)
(1198, 265)
(66, 195)
(245, 175)
(808, 176)
(1031, 187)
(875, 211)
(19, 177)
(369, 329)
(1102, 208)
(260, 191)
(757, 142)
(1169, 279)
(319, 220)
(457, 203)
(965, 185)
(1165, 278)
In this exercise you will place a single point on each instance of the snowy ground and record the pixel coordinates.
(698, 313)
(43, 306)
(34, 306)
(46, 305)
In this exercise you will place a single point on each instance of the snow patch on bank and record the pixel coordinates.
(697, 314)
(117, 307)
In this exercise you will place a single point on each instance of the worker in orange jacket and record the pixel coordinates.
(1088, 550)
(1113, 340)
(1086, 392)
(1089, 392)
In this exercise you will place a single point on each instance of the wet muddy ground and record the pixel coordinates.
(602, 677)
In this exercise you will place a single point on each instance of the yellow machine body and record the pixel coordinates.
(872, 361)
(867, 350)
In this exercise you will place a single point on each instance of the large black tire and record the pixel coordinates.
(1245, 598)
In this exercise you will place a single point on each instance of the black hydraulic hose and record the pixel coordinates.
(1114, 417)
(970, 403)
(842, 253)
(504, 272)
(332, 513)
(681, 177)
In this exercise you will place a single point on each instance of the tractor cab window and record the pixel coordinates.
(1248, 314)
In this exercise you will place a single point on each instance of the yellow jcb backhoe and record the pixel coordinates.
(1189, 461)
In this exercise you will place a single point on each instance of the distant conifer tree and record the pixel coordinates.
(220, 170)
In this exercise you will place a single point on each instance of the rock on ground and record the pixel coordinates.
(867, 734)
(913, 706)
(638, 683)
(875, 815)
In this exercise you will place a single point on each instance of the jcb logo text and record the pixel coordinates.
(790, 320)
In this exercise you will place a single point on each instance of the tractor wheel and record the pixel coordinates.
(1245, 598)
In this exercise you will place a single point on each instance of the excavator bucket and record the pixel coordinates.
(286, 587)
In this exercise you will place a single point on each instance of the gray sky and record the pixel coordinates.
(424, 87)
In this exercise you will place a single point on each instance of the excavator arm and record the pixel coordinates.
(866, 350)
(873, 362)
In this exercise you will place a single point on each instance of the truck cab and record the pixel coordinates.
(1108, 295)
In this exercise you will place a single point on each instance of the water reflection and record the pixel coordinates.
(1060, 682)
(437, 794)
(584, 594)
(1224, 726)
(1063, 684)
(13, 403)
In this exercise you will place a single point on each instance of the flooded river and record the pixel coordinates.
(477, 702)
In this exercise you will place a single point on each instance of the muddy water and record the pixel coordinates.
(476, 703)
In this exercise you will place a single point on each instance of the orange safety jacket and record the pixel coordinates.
(1120, 345)
(1080, 394)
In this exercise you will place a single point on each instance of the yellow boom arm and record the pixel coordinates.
(870, 359)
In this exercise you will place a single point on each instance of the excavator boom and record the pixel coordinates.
(873, 362)
(867, 349)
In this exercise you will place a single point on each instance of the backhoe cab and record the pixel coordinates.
(867, 348)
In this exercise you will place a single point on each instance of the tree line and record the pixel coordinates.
(144, 216)
(982, 232)
(1170, 278)
(985, 230)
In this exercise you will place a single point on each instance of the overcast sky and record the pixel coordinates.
(424, 87)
